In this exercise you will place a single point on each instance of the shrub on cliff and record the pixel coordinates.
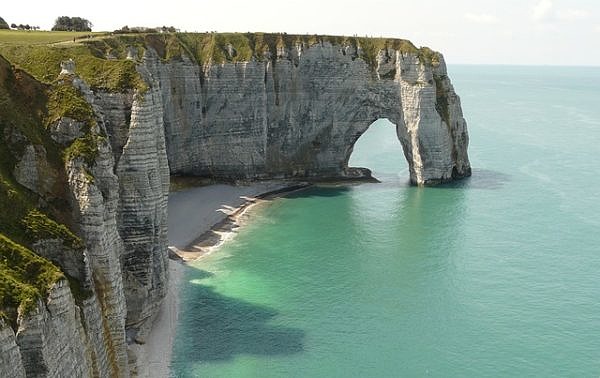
(66, 23)
(3, 24)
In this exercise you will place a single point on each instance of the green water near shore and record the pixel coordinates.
(496, 275)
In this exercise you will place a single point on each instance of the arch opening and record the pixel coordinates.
(379, 150)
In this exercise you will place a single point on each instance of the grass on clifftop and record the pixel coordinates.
(219, 48)
(240, 47)
(22, 37)
(42, 60)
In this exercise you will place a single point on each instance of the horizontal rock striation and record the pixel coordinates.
(143, 175)
(52, 338)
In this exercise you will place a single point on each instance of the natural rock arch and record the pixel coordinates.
(363, 148)
(301, 116)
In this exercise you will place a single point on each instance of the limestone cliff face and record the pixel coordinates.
(52, 338)
(299, 114)
(135, 128)
(123, 214)
(294, 113)
(11, 363)
(96, 201)
(118, 196)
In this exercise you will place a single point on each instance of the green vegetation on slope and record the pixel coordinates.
(64, 100)
(85, 147)
(24, 277)
(15, 202)
(39, 227)
(43, 63)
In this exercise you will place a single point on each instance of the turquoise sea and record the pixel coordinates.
(494, 276)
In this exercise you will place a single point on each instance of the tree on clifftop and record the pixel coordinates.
(66, 23)
(3, 24)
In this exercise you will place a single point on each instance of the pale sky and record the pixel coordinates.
(547, 32)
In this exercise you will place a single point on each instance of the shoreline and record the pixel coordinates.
(153, 358)
(211, 239)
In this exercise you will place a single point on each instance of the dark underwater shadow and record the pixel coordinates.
(479, 179)
(218, 328)
(486, 179)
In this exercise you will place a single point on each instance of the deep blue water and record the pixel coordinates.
(497, 275)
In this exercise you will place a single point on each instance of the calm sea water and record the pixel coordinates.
(498, 275)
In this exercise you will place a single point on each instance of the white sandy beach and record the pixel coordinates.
(192, 212)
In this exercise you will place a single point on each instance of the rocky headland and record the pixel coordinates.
(90, 133)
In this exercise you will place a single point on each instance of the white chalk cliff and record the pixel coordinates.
(295, 112)
(300, 114)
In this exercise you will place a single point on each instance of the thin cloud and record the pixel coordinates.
(572, 14)
(481, 18)
(542, 11)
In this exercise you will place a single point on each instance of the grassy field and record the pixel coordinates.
(20, 37)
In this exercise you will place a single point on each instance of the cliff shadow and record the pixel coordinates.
(214, 327)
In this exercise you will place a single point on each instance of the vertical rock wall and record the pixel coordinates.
(95, 191)
(143, 174)
(11, 363)
(299, 115)
(52, 339)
